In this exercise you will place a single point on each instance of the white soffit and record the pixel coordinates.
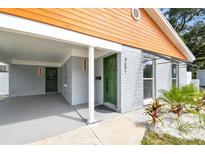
(30, 50)
(166, 27)
(34, 28)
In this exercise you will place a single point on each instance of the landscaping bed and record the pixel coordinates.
(177, 117)
(187, 126)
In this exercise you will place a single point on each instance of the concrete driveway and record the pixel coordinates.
(30, 118)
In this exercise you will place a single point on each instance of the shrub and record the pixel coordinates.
(179, 98)
(200, 101)
(174, 98)
(154, 111)
(192, 96)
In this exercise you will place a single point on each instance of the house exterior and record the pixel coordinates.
(200, 75)
(118, 57)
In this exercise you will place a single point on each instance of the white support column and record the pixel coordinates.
(91, 103)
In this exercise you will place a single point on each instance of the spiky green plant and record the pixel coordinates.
(200, 101)
(154, 111)
(192, 96)
(179, 98)
(175, 98)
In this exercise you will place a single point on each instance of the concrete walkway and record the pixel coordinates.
(120, 130)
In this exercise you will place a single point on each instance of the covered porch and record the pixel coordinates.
(30, 52)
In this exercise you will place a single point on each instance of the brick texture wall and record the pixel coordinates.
(131, 75)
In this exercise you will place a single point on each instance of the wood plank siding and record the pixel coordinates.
(115, 25)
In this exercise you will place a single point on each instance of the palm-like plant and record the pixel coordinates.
(174, 98)
(179, 98)
(191, 94)
(201, 102)
(193, 97)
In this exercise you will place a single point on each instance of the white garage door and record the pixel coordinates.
(4, 83)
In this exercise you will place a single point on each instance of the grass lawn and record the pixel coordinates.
(151, 138)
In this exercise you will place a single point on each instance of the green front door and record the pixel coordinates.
(110, 79)
(51, 79)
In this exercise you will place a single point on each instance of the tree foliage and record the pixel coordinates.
(189, 23)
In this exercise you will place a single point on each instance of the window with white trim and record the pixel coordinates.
(175, 74)
(148, 79)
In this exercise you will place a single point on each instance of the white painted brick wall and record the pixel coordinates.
(131, 75)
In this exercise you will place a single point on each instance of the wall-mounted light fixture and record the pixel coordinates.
(125, 65)
(40, 71)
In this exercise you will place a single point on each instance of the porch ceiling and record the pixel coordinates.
(20, 47)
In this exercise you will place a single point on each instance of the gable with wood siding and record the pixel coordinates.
(112, 24)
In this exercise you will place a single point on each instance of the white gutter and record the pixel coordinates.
(166, 27)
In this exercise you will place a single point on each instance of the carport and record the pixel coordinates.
(25, 119)
(30, 112)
